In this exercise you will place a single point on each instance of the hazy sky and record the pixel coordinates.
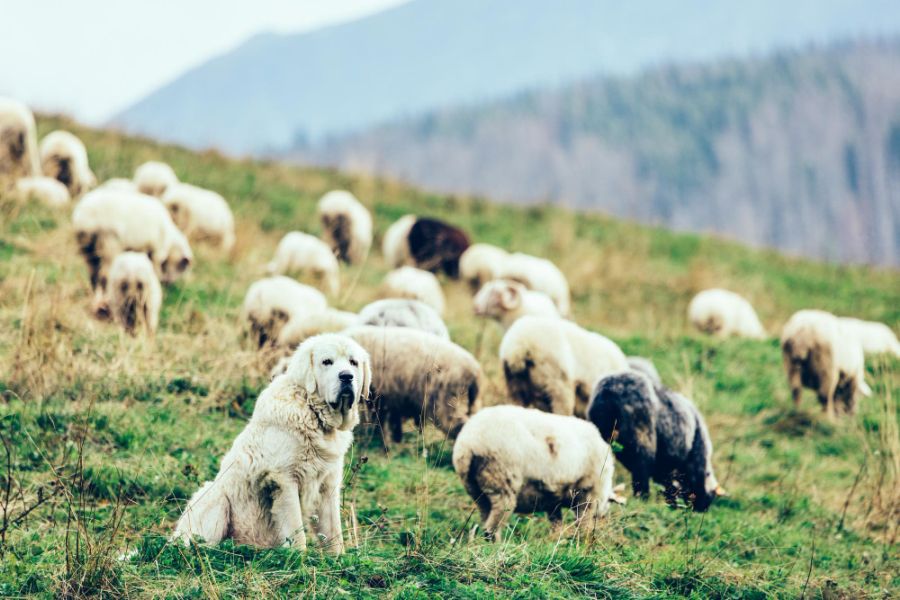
(90, 58)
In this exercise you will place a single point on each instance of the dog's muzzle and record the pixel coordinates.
(346, 395)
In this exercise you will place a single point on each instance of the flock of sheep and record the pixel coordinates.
(571, 391)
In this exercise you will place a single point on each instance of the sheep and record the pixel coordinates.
(395, 244)
(645, 366)
(200, 214)
(305, 325)
(18, 143)
(416, 284)
(303, 253)
(540, 275)
(119, 184)
(662, 435)
(134, 293)
(272, 302)
(46, 190)
(428, 244)
(518, 459)
(416, 374)
(346, 226)
(505, 301)
(724, 313)
(818, 353)
(552, 364)
(108, 222)
(874, 337)
(401, 312)
(64, 157)
(154, 178)
(481, 263)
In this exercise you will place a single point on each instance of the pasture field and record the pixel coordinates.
(104, 436)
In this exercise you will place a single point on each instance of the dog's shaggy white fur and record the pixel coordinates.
(505, 301)
(299, 253)
(64, 157)
(346, 226)
(285, 469)
(724, 313)
(415, 284)
(202, 214)
(154, 178)
(481, 263)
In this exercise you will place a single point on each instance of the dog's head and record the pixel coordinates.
(336, 373)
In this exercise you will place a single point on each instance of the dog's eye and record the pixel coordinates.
(327, 362)
(353, 362)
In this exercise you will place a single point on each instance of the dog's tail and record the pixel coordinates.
(207, 516)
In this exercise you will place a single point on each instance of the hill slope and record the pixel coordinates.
(800, 151)
(106, 436)
(275, 89)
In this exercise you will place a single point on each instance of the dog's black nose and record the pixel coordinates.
(345, 376)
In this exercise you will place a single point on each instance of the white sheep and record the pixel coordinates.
(481, 263)
(819, 354)
(724, 313)
(540, 275)
(46, 190)
(19, 155)
(273, 301)
(134, 293)
(403, 312)
(108, 222)
(553, 364)
(505, 301)
(395, 243)
(874, 337)
(201, 214)
(306, 325)
(346, 226)
(410, 282)
(119, 184)
(301, 253)
(64, 157)
(518, 459)
(154, 178)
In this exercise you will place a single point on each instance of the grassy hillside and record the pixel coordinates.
(104, 437)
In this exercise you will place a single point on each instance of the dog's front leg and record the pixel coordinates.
(330, 514)
(287, 515)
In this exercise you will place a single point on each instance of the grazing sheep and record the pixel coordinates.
(400, 312)
(272, 302)
(553, 364)
(108, 222)
(134, 293)
(428, 244)
(662, 435)
(64, 157)
(521, 459)
(419, 375)
(202, 215)
(481, 263)
(874, 337)
(505, 301)
(819, 354)
(540, 275)
(306, 325)
(395, 244)
(346, 226)
(301, 253)
(416, 284)
(154, 178)
(645, 366)
(118, 184)
(18, 143)
(45, 190)
(284, 471)
(724, 313)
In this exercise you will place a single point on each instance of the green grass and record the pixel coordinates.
(107, 436)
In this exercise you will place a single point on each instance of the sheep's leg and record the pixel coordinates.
(826, 398)
(640, 480)
(396, 425)
(502, 507)
(586, 513)
(287, 516)
(795, 380)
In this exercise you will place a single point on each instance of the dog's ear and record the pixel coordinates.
(366, 378)
(305, 368)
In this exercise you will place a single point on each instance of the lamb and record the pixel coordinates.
(272, 302)
(553, 364)
(662, 435)
(64, 157)
(419, 375)
(108, 222)
(645, 366)
(874, 337)
(505, 301)
(399, 312)
(429, 244)
(416, 284)
(134, 293)
(540, 275)
(724, 313)
(46, 190)
(154, 178)
(303, 253)
(306, 325)
(521, 459)
(201, 214)
(18, 143)
(819, 354)
(481, 263)
(346, 226)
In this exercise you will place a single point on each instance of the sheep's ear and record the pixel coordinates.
(366, 379)
(509, 298)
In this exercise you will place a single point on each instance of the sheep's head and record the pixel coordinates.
(498, 298)
(178, 260)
